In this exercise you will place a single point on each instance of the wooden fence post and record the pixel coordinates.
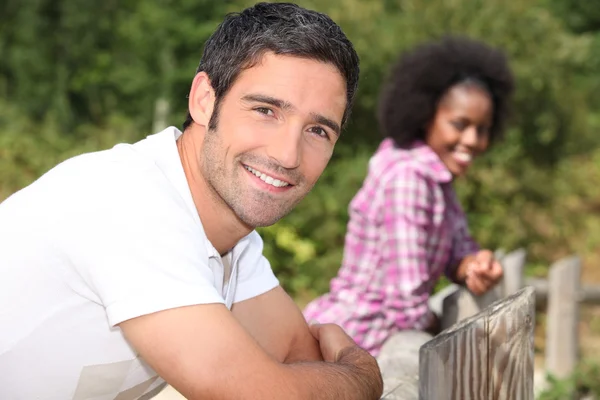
(487, 356)
(463, 304)
(513, 265)
(563, 317)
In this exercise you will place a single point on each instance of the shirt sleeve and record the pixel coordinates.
(408, 213)
(139, 249)
(255, 275)
(462, 242)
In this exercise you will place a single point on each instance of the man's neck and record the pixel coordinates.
(222, 227)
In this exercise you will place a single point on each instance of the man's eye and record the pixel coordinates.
(264, 110)
(319, 131)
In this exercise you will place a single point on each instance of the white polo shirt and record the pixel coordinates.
(99, 239)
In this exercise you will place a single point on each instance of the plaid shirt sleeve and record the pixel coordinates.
(408, 214)
(462, 242)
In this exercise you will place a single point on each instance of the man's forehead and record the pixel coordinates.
(295, 82)
(269, 63)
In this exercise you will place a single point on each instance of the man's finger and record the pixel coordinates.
(315, 329)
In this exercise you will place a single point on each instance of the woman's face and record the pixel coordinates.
(461, 126)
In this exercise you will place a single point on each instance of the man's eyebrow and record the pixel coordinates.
(287, 106)
(261, 98)
(331, 124)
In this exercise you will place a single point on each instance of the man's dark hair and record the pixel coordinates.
(282, 28)
(421, 77)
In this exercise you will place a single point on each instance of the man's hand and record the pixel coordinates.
(482, 272)
(332, 340)
(337, 347)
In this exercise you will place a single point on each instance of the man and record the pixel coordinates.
(140, 262)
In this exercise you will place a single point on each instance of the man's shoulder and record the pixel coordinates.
(110, 183)
(119, 174)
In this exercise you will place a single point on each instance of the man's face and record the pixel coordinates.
(277, 127)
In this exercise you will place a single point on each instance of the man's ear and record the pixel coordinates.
(202, 99)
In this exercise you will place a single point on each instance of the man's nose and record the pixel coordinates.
(286, 148)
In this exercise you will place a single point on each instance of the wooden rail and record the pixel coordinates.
(587, 294)
(488, 356)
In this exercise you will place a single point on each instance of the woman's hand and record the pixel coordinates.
(483, 272)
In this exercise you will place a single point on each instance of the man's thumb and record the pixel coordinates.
(315, 328)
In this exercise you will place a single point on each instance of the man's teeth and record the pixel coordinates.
(266, 178)
(464, 157)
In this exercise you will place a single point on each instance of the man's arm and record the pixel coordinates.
(276, 323)
(204, 353)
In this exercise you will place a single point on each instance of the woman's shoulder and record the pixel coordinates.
(416, 161)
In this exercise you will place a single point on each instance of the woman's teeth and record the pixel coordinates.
(463, 157)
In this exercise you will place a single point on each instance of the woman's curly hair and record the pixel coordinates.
(421, 77)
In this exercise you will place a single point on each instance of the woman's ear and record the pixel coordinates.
(202, 99)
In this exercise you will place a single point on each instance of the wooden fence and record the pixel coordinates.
(560, 295)
(488, 356)
(486, 349)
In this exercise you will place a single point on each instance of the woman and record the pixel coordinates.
(444, 103)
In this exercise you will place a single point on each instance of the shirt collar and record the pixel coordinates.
(438, 169)
(424, 154)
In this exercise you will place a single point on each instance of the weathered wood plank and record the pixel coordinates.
(513, 265)
(562, 344)
(436, 302)
(486, 357)
(510, 347)
(463, 304)
(399, 364)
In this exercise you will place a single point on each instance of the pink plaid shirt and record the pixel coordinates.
(406, 228)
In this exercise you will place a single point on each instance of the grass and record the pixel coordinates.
(584, 383)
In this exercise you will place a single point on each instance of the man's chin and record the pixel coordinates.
(262, 221)
(265, 216)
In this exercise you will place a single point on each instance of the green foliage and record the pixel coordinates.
(82, 61)
(583, 382)
(579, 16)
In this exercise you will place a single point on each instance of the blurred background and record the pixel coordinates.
(78, 76)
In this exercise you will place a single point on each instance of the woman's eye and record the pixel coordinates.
(459, 125)
(264, 110)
